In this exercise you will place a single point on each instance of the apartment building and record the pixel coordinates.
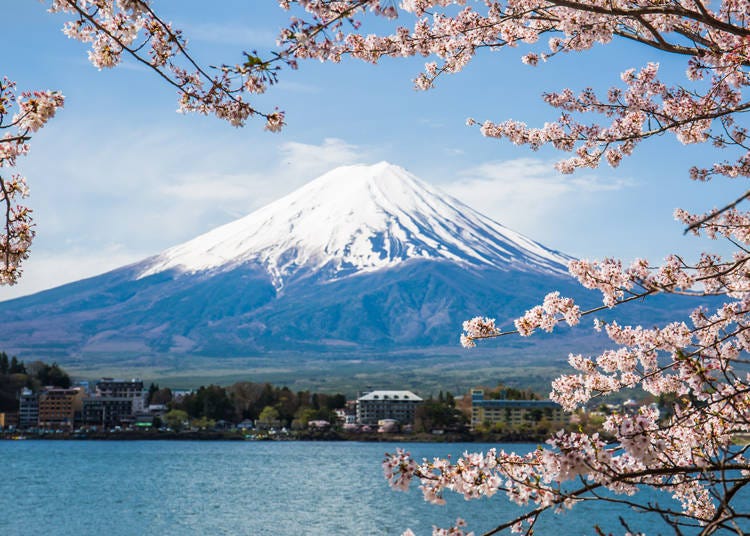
(513, 412)
(131, 390)
(59, 407)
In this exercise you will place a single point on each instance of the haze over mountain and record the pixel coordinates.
(364, 257)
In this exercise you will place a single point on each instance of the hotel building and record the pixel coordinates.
(379, 405)
(513, 412)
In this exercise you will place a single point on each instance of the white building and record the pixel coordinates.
(378, 405)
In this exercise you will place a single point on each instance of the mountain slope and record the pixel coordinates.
(363, 258)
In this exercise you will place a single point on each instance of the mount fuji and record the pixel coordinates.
(364, 257)
(356, 220)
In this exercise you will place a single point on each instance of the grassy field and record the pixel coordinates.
(425, 373)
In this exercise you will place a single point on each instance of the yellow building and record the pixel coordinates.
(513, 412)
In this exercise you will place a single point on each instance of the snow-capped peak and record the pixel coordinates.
(356, 219)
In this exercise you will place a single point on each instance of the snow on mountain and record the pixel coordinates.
(363, 259)
(355, 219)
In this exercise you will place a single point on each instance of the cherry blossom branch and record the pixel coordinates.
(114, 26)
(716, 213)
(481, 328)
(32, 111)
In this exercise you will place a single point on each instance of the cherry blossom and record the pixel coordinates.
(20, 116)
(119, 29)
(687, 453)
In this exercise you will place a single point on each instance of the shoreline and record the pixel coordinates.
(210, 435)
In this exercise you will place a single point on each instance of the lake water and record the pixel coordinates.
(112, 488)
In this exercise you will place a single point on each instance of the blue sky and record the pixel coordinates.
(118, 175)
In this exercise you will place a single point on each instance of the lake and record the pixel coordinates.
(114, 488)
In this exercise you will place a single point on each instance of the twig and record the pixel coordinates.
(711, 216)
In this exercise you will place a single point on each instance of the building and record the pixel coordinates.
(344, 417)
(123, 389)
(9, 420)
(28, 409)
(378, 405)
(513, 412)
(179, 394)
(107, 411)
(157, 410)
(58, 408)
(115, 403)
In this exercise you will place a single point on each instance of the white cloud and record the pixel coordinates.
(291, 165)
(238, 34)
(320, 158)
(45, 270)
(152, 189)
(526, 194)
(210, 188)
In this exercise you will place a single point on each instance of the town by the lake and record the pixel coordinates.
(111, 408)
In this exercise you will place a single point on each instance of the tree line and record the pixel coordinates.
(280, 406)
(249, 400)
(16, 375)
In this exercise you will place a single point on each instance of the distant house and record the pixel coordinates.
(344, 417)
(157, 410)
(144, 421)
(378, 405)
(223, 426)
(8, 420)
(513, 412)
(247, 424)
(318, 424)
(273, 424)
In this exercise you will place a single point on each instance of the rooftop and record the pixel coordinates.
(390, 395)
(505, 403)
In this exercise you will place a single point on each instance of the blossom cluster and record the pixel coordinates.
(681, 459)
(20, 116)
(547, 315)
(455, 530)
(478, 328)
(641, 105)
(687, 452)
(115, 29)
